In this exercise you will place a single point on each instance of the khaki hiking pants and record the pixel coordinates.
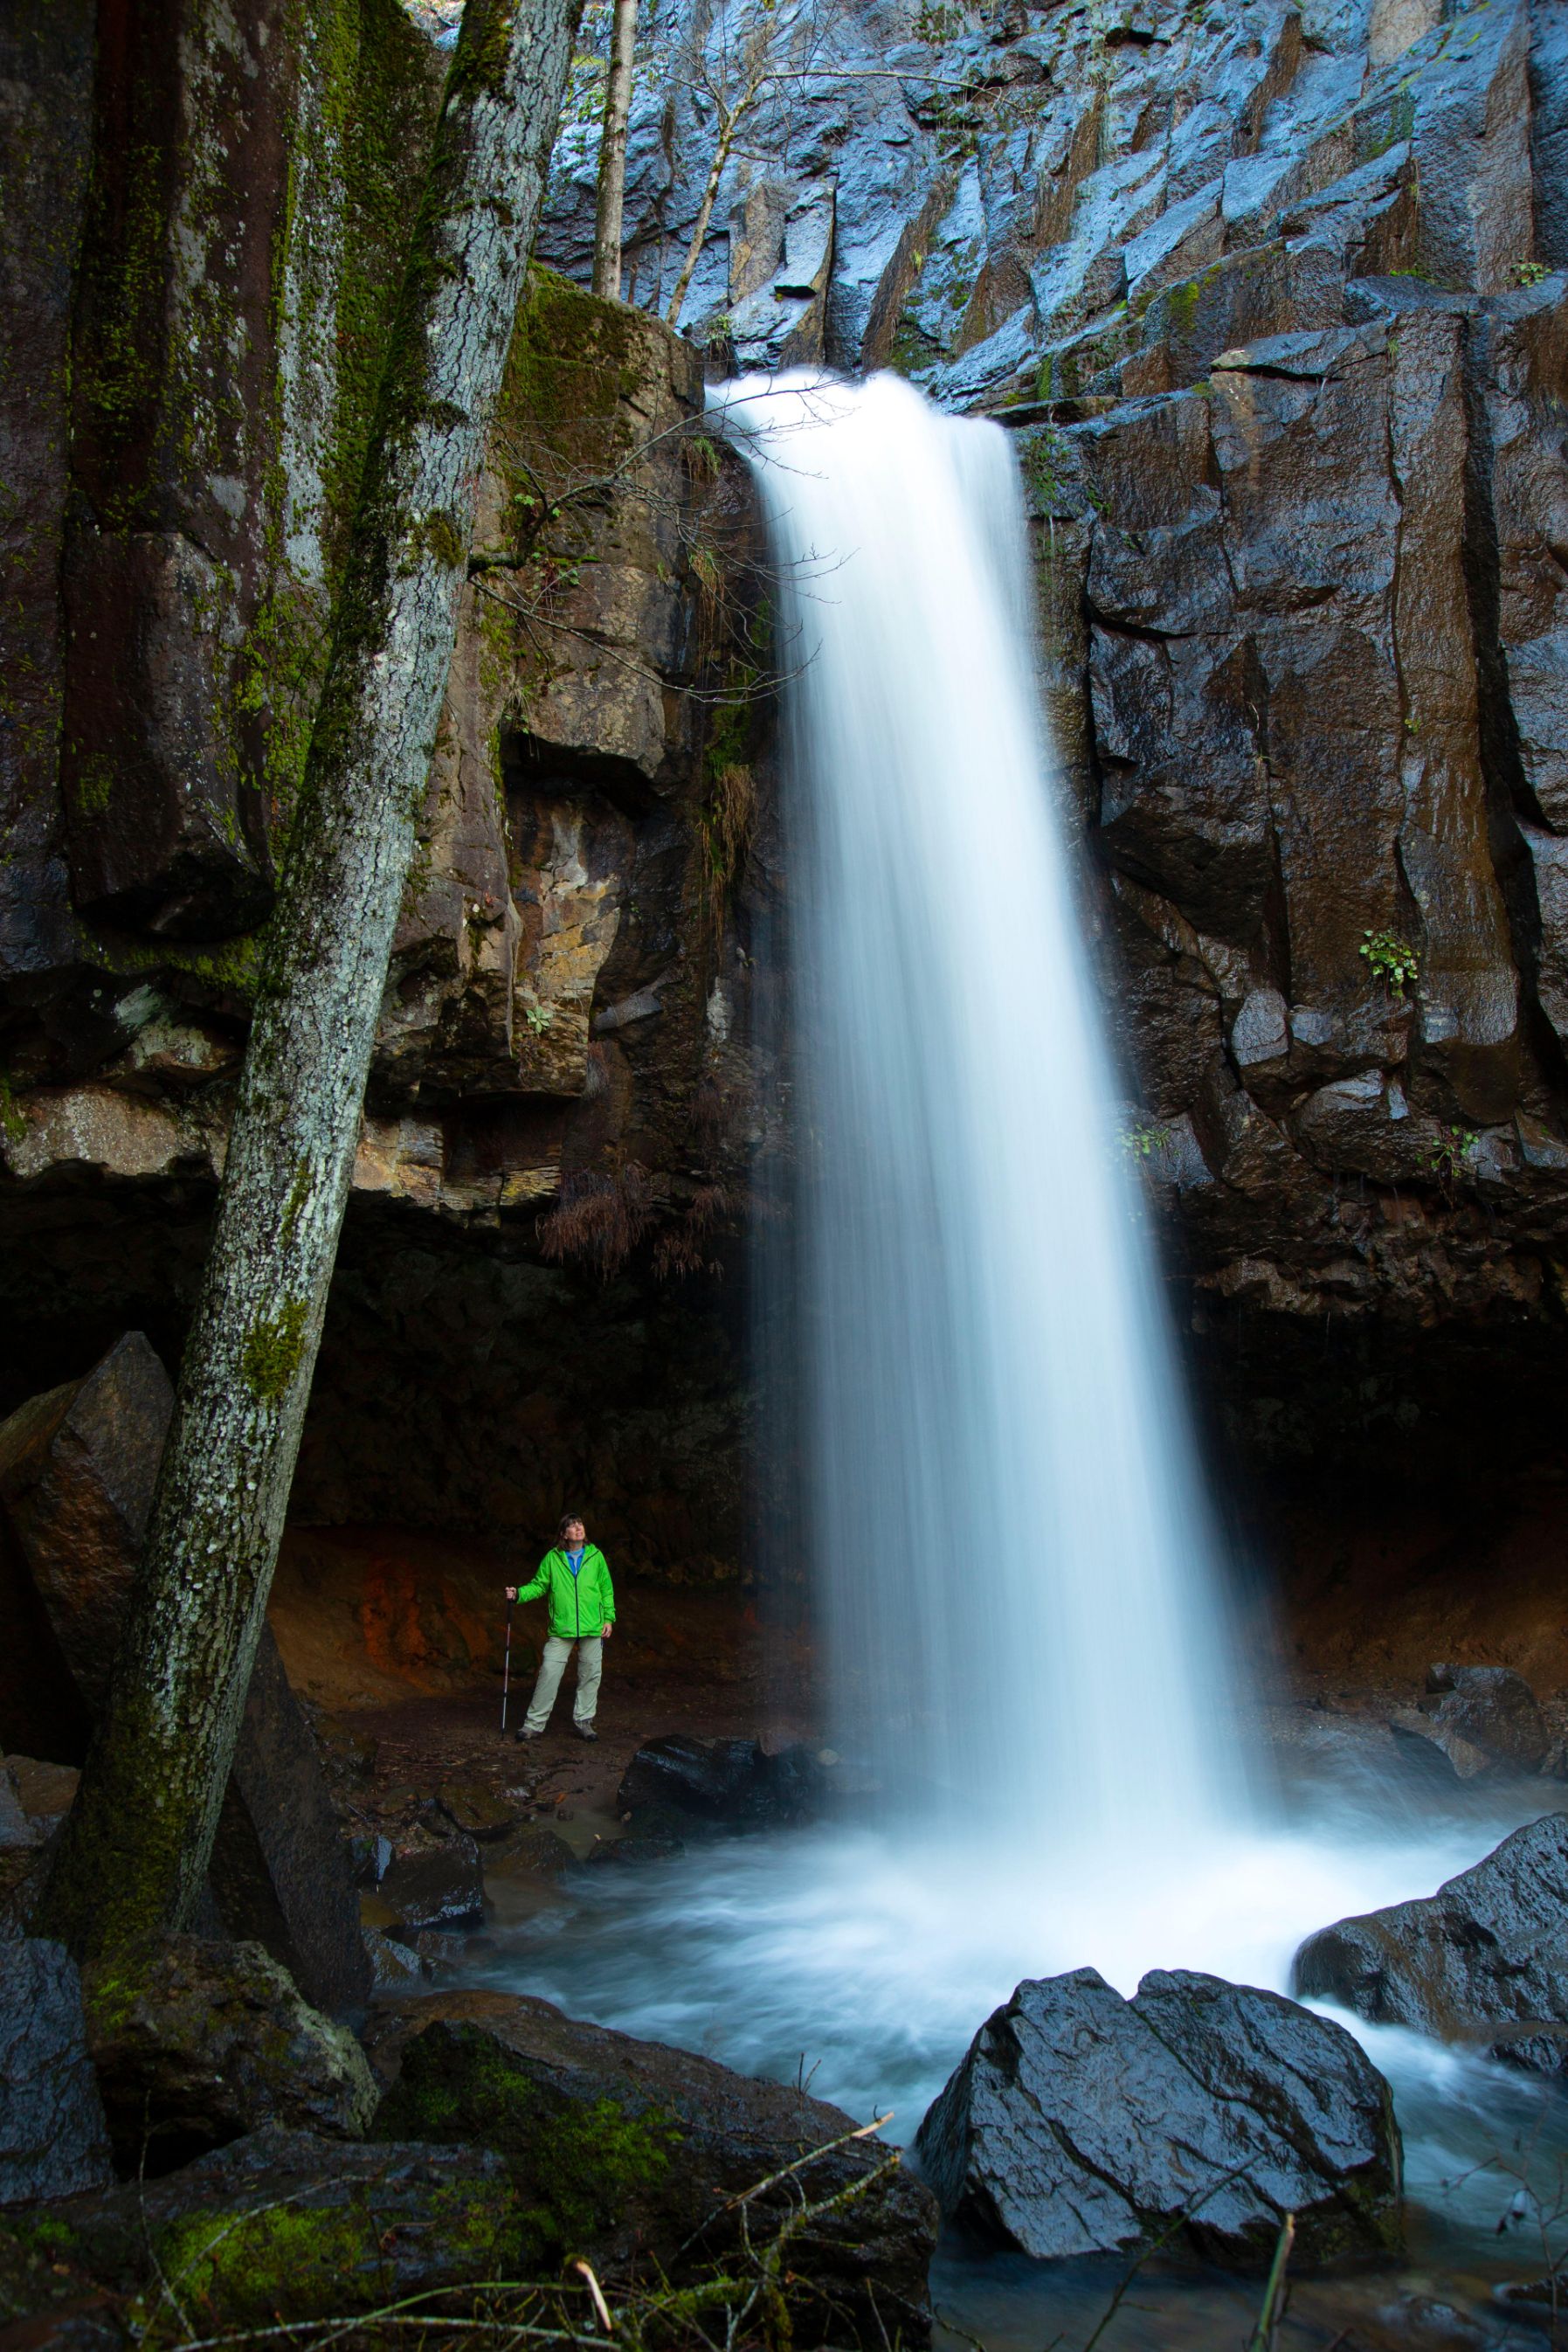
(552, 1665)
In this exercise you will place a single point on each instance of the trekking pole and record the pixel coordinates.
(507, 1668)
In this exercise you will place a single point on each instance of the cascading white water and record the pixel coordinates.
(1017, 1574)
(1014, 1563)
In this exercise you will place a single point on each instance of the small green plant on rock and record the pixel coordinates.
(1448, 1153)
(1527, 273)
(538, 1018)
(1393, 960)
(1140, 1140)
(934, 25)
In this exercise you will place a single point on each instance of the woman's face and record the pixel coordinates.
(576, 1535)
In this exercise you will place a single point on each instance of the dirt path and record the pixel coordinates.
(679, 1662)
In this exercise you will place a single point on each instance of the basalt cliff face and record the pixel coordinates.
(1272, 298)
(204, 227)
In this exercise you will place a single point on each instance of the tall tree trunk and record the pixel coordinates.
(613, 153)
(728, 124)
(136, 1847)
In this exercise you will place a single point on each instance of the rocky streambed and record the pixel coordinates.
(462, 2009)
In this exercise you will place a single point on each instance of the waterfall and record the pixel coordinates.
(1015, 1570)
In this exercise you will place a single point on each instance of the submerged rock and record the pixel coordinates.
(477, 1811)
(1484, 1960)
(1081, 2123)
(438, 1886)
(394, 1967)
(635, 1853)
(198, 2043)
(728, 1783)
(53, 2138)
(638, 2151)
(1478, 1720)
(533, 1848)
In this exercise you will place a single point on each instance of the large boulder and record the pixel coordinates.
(1081, 2123)
(722, 1784)
(1484, 1960)
(638, 2152)
(77, 1467)
(1478, 1721)
(53, 2138)
(196, 2043)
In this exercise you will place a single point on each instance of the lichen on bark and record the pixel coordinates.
(135, 1848)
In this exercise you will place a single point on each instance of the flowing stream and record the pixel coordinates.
(1017, 1587)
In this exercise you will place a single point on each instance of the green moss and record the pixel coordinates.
(272, 1351)
(94, 782)
(357, 140)
(1182, 303)
(729, 731)
(573, 361)
(1398, 124)
(38, 2258)
(119, 345)
(575, 2167)
(438, 535)
(1043, 455)
(287, 2257)
(378, 104)
(299, 1192)
(12, 1125)
(107, 1894)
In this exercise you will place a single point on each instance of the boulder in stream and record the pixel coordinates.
(637, 2152)
(1199, 2111)
(435, 1885)
(685, 1784)
(1484, 1960)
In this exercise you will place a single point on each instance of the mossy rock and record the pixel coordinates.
(637, 2154)
(40, 2270)
(197, 2041)
(585, 2171)
(280, 2225)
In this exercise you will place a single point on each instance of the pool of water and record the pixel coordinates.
(860, 1962)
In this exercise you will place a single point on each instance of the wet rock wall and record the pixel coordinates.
(537, 1301)
(1271, 299)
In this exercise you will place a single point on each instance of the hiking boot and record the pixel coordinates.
(585, 1731)
(529, 1735)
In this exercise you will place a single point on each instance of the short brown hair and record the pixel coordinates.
(571, 1519)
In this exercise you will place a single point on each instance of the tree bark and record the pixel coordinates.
(613, 153)
(728, 124)
(135, 1848)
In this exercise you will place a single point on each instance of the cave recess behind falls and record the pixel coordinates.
(1014, 1564)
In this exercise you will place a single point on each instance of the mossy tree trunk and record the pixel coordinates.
(136, 1847)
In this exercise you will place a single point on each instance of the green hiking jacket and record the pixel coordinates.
(581, 1606)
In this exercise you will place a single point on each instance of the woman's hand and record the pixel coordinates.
(607, 1633)
(511, 1592)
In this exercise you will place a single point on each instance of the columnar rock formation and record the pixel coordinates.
(1270, 294)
